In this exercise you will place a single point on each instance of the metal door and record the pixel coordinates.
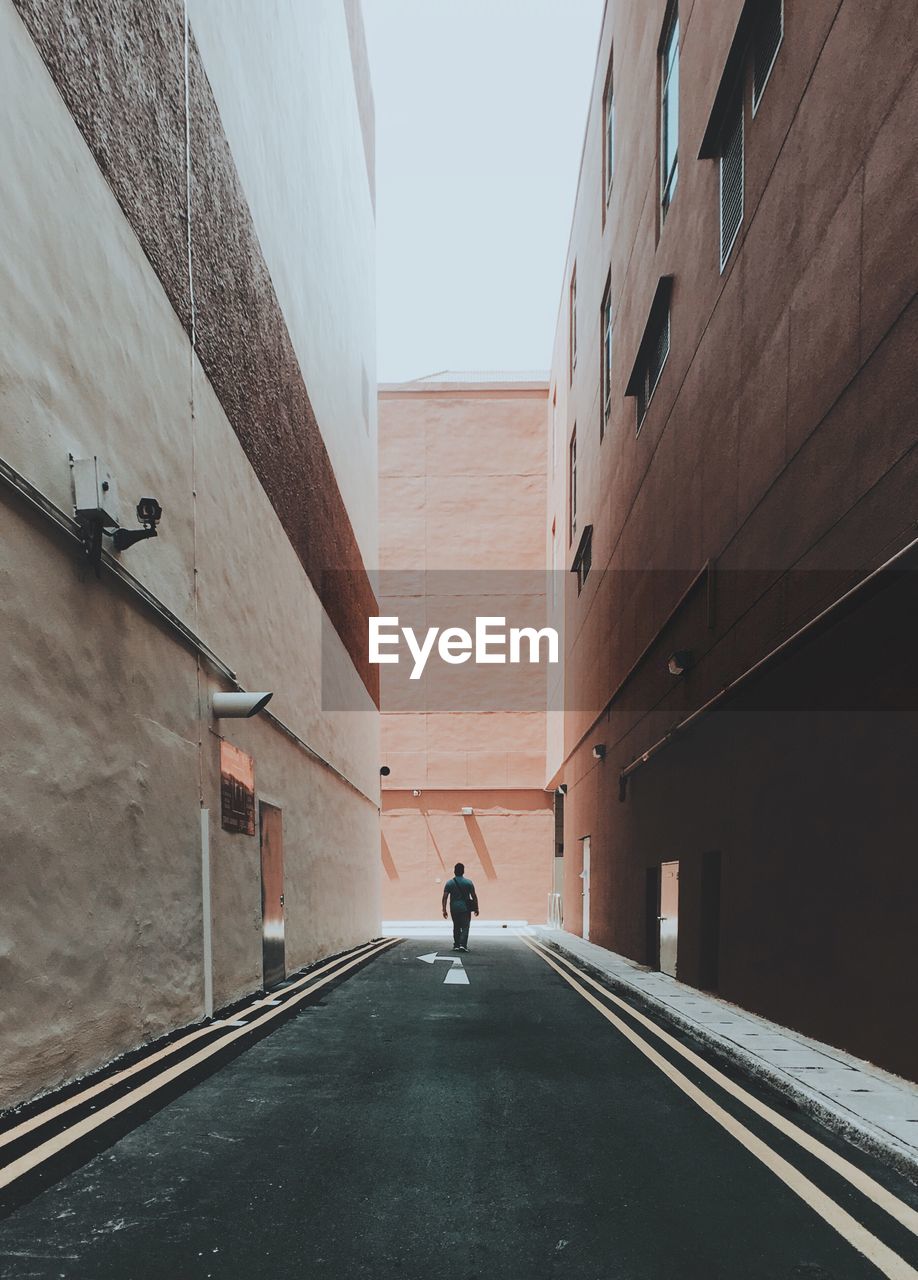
(669, 916)
(585, 878)
(272, 894)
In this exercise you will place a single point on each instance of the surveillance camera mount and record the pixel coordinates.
(124, 538)
(91, 530)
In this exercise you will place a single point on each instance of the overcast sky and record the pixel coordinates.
(480, 112)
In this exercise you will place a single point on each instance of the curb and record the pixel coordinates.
(861, 1133)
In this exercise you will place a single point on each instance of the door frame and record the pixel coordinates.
(585, 854)
(273, 966)
(670, 862)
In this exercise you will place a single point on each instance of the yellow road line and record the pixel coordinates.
(896, 1208)
(882, 1257)
(77, 1099)
(52, 1146)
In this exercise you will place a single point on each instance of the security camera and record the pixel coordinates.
(562, 788)
(238, 706)
(149, 514)
(384, 771)
(599, 751)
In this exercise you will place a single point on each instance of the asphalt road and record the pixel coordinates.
(504, 1129)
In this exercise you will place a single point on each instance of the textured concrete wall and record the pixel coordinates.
(297, 141)
(111, 749)
(779, 446)
(185, 200)
(462, 498)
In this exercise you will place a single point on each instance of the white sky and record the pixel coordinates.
(480, 112)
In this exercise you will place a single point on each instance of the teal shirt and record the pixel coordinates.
(461, 894)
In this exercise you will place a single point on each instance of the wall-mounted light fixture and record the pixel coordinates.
(239, 706)
(561, 789)
(466, 812)
(599, 751)
(679, 662)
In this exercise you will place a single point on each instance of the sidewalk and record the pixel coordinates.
(871, 1108)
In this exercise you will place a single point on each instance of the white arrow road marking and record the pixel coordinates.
(455, 973)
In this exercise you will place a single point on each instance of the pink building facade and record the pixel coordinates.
(462, 501)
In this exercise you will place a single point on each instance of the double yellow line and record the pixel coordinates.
(303, 987)
(883, 1258)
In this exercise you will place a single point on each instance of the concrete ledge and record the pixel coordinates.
(871, 1108)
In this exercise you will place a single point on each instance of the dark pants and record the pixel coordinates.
(461, 922)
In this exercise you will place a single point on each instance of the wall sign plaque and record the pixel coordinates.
(237, 789)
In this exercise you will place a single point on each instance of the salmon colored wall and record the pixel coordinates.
(462, 487)
(506, 845)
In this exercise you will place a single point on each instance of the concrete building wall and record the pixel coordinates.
(316, 226)
(112, 752)
(771, 472)
(462, 499)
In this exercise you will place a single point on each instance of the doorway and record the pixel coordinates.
(585, 879)
(273, 958)
(669, 917)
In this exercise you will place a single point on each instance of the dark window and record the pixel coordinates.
(573, 321)
(606, 368)
(657, 351)
(653, 351)
(731, 179)
(669, 111)
(768, 34)
(608, 130)
(583, 560)
(572, 486)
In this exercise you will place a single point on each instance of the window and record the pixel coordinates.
(669, 111)
(583, 560)
(767, 38)
(608, 130)
(606, 369)
(573, 322)
(572, 486)
(731, 179)
(653, 351)
(653, 366)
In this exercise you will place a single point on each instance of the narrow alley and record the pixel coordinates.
(458, 472)
(526, 1123)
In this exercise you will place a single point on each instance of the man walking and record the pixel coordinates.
(462, 902)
